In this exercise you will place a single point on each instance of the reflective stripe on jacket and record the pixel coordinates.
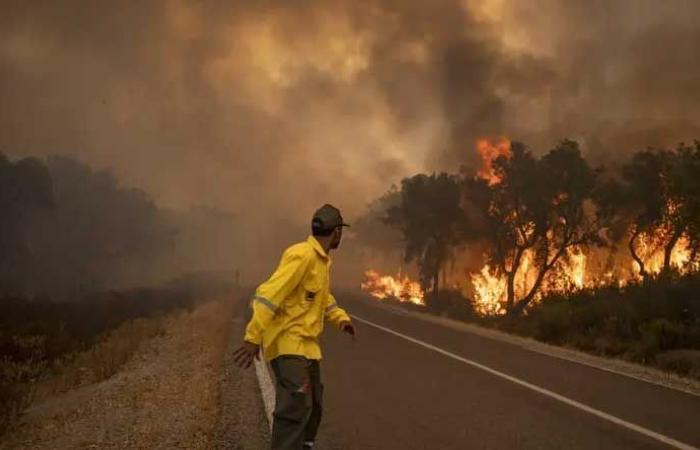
(290, 307)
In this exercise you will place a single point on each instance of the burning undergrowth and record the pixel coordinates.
(401, 287)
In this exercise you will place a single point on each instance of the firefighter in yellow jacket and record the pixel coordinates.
(289, 310)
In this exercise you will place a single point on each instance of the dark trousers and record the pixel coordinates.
(299, 399)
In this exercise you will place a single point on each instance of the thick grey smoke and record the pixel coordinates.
(625, 73)
(269, 109)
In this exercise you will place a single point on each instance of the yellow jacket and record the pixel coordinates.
(289, 308)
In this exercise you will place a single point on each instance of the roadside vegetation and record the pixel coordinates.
(655, 322)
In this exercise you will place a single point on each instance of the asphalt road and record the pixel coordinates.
(386, 392)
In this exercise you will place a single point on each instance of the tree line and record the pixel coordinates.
(546, 206)
(66, 229)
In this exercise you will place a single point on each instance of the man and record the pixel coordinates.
(288, 316)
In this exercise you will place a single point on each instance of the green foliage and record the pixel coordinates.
(453, 304)
(660, 334)
(637, 322)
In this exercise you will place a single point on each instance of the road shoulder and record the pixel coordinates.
(165, 397)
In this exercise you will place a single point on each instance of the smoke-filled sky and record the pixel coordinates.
(271, 108)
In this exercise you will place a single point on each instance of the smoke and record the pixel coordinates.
(625, 74)
(269, 109)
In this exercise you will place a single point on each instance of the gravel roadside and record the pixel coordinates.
(241, 424)
(177, 392)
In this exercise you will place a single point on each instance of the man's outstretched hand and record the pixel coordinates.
(245, 354)
(349, 328)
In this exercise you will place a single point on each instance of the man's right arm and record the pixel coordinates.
(268, 298)
(270, 295)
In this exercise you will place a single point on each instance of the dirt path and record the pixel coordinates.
(166, 396)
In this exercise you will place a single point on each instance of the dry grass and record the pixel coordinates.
(19, 379)
(32, 380)
(164, 397)
(48, 347)
(102, 360)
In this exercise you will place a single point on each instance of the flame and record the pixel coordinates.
(568, 275)
(489, 292)
(578, 267)
(489, 151)
(572, 273)
(400, 288)
(650, 249)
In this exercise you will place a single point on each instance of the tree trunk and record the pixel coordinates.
(668, 249)
(510, 299)
(436, 282)
(522, 304)
(436, 286)
(510, 278)
(633, 252)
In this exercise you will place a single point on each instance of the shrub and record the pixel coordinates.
(686, 362)
(451, 303)
(638, 321)
(660, 334)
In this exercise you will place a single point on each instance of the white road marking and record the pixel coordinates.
(596, 412)
(267, 389)
(540, 347)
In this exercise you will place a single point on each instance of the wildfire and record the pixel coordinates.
(400, 288)
(577, 263)
(650, 248)
(489, 151)
(490, 287)
(652, 254)
(490, 292)
(578, 268)
(574, 272)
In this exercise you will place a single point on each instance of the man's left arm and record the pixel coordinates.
(337, 316)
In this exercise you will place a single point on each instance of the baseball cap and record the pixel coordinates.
(326, 218)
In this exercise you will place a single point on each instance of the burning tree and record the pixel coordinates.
(656, 204)
(538, 213)
(686, 189)
(430, 219)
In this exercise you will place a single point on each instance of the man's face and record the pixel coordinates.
(336, 237)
